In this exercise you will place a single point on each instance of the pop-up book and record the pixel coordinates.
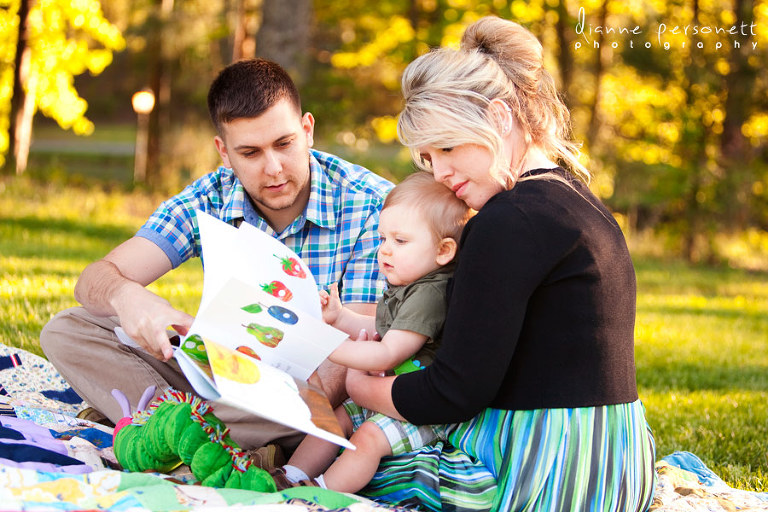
(259, 335)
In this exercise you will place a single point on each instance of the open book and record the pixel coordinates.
(259, 335)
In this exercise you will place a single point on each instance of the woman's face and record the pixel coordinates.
(466, 170)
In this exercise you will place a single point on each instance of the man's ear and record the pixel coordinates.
(308, 123)
(446, 251)
(222, 149)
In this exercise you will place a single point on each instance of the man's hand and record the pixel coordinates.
(331, 304)
(115, 285)
(145, 317)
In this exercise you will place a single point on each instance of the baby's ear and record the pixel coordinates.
(446, 251)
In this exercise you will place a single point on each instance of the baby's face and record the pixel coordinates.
(408, 248)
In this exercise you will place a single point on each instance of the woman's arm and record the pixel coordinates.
(374, 393)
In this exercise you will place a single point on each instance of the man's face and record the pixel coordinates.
(269, 154)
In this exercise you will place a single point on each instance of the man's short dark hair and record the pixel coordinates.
(247, 88)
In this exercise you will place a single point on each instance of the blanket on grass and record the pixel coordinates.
(51, 460)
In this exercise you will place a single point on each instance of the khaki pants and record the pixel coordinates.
(86, 351)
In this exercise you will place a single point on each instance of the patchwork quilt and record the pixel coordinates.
(51, 460)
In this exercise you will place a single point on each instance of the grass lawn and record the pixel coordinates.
(702, 333)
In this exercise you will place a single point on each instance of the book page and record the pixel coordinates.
(219, 259)
(197, 372)
(258, 335)
(278, 270)
(247, 350)
(255, 258)
(245, 318)
(251, 385)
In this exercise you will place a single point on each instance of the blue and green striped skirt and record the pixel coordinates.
(585, 459)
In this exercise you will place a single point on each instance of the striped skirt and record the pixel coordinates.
(585, 459)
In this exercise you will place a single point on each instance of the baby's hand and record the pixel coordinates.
(331, 304)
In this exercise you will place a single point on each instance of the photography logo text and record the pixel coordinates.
(667, 36)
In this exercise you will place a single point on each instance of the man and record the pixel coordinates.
(323, 208)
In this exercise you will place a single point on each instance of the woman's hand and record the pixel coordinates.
(372, 392)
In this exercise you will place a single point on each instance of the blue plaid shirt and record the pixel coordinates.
(336, 235)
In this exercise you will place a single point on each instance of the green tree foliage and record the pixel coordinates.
(692, 71)
(362, 48)
(175, 47)
(669, 98)
(66, 38)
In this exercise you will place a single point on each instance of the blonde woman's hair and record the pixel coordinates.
(444, 213)
(448, 97)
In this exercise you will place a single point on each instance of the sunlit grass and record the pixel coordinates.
(48, 233)
(702, 333)
(702, 365)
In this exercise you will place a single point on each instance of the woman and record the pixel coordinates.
(537, 358)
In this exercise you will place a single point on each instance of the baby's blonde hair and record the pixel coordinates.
(448, 97)
(444, 213)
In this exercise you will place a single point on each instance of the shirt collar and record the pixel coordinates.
(319, 210)
(437, 275)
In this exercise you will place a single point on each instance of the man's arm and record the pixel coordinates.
(115, 285)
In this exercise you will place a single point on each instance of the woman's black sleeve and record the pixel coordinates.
(502, 260)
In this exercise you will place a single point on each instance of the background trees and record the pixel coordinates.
(43, 45)
(668, 97)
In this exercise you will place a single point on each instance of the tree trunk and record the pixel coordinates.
(18, 118)
(413, 14)
(24, 124)
(734, 148)
(692, 214)
(160, 83)
(739, 83)
(565, 59)
(696, 157)
(284, 34)
(594, 120)
(239, 30)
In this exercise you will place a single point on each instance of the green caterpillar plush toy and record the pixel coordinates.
(180, 428)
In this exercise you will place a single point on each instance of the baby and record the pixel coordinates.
(420, 225)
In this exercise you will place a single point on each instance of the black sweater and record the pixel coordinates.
(541, 312)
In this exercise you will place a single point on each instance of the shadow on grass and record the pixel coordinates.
(53, 273)
(702, 377)
(84, 228)
(728, 314)
(59, 239)
(665, 277)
